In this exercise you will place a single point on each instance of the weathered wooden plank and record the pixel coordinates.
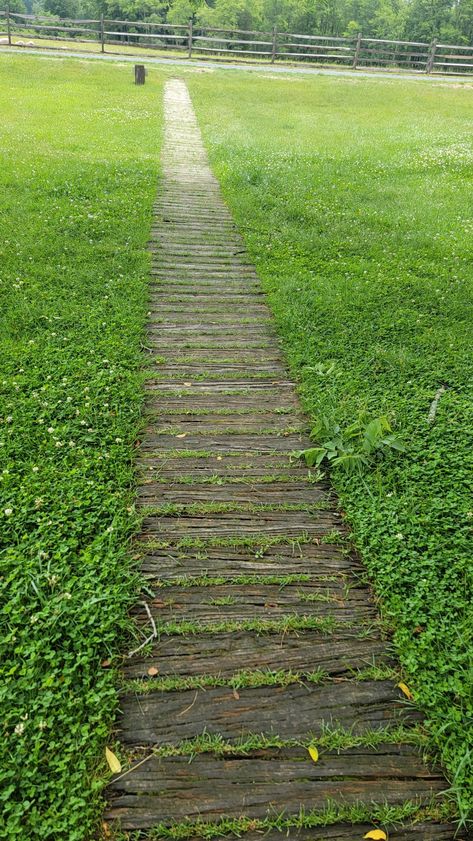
(321, 560)
(218, 424)
(248, 493)
(243, 524)
(161, 718)
(245, 466)
(225, 654)
(226, 444)
(236, 602)
(211, 787)
(228, 387)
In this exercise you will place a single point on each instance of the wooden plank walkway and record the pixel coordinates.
(264, 624)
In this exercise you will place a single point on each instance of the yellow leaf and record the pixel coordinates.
(313, 753)
(182, 435)
(407, 692)
(113, 761)
(376, 835)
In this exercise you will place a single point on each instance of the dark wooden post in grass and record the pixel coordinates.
(8, 24)
(275, 45)
(139, 74)
(191, 27)
(102, 34)
(356, 57)
(431, 57)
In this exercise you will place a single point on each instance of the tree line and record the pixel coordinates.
(450, 21)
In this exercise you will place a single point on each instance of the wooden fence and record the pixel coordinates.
(192, 40)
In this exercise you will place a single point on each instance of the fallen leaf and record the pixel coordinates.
(405, 689)
(106, 663)
(376, 835)
(236, 695)
(187, 384)
(313, 753)
(113, 762)
(106, 829)
(152, 671)
(182, 435)
(219, 458)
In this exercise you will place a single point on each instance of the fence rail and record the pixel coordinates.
(358, 52)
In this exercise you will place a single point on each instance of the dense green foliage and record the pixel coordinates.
(450, 21)
(356, 203)
(77, 179)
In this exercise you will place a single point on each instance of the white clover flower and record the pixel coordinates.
(400, 536)
(50, 429)
(42, 725)
(9, 419)
(19, 729)
(8, 512)
(35, 469)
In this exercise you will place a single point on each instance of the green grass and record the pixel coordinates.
(355, 199)
(79, 164)
(333, 738)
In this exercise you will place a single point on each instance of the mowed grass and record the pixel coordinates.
(78, 173)
(355, 197)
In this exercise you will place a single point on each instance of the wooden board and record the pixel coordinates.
(225, 654)
(162, 718)
(269, 783)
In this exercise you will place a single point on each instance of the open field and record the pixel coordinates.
(355, 200)
(78, 174)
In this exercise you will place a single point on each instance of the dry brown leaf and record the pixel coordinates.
(152, 671)
(182, 435)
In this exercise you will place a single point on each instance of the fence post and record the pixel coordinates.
(8, 24)
(191, 27)
(357, 51)
(431, 57)
(275, 45)
(102, 34)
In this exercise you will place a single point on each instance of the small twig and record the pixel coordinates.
(189, 707)
(151, 637)
(434, 404)
(150, 756)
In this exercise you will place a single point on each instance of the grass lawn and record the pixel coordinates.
(355, 197)
(78, 173)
